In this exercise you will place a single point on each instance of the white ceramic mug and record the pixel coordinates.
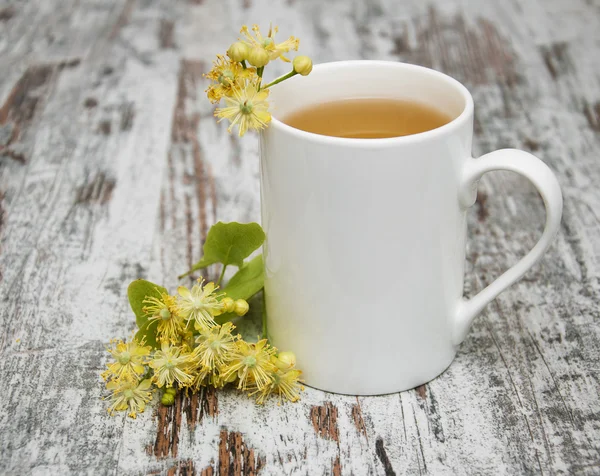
(365, 247)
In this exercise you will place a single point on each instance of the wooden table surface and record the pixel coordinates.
(112, 168)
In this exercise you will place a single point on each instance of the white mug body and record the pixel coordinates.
(365, 248)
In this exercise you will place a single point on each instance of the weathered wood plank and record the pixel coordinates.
(112, 168)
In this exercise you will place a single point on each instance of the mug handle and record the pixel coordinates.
(545, 181)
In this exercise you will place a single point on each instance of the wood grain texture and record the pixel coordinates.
(112, 168)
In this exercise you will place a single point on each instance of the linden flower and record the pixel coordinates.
(129, 394)
(268, 43)
(215, 346)
(285, 360)
(252, 363)
(285, 384)
(201, 376)
(130, 358)
(200, 304)
(247, 107)
(164, 311)
(226, 74)
(188, 341)
(170, 366)
(219, 380)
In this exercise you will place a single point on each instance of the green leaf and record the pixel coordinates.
(148, 331)
(229, 243)
(137, 291)
(249, 280)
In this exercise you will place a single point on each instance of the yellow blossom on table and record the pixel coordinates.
(275, 50)
(166, 313)
(171, 365)
(204, 377)
(200, 304)
(218, 379)
(129, 394)
(284, 383)
(226, 74)
(252, 364)
(215, 346)
(130, 359)
(201, 377)
(188, 341)
(284, 360)
(247, 108)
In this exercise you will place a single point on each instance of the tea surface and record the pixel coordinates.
(367, 118)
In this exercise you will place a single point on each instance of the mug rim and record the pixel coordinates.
(449, 127)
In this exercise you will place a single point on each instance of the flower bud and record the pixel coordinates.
(238, 51)
(171, 390)
(241, 307)
(302, 65)
(228, 304)
(167, 399)
(230, 378)
(258, 57)
(286, 360)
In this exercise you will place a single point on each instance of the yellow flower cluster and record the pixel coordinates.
(124, 377)
(238, 77)
(194, 351)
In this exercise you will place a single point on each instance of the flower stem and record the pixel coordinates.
(243, 64)
(265, 334)
(280, 79)
(221, 275)
(259, 73)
